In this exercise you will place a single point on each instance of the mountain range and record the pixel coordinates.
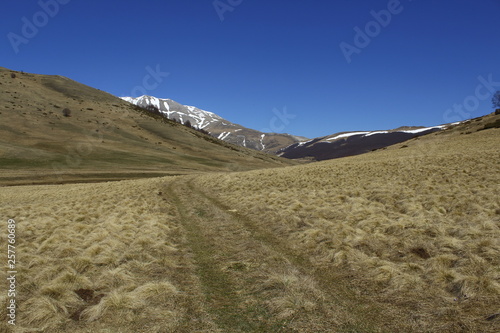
(285, 145)
(56, 130)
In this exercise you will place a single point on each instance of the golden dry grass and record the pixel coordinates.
(416, 230)
(399, 240)
(95, 257)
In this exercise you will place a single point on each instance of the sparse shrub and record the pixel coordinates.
(13, 75)
(187, 123)
(495, 124)
(66, 112)
(497, 112)
(153, 109)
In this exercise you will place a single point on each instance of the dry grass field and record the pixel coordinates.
(414, 231)
(398, 240)
(99, 258)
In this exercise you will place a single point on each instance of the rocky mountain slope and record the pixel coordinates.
(217, 126)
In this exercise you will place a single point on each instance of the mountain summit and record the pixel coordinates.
(217, 126)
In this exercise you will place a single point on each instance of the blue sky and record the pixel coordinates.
(422, 62)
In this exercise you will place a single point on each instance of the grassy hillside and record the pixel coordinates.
(415, 228)
(103, 138)
(405, 239)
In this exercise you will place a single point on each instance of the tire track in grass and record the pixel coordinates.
(252, 284)
(223, 301)
(355, 314)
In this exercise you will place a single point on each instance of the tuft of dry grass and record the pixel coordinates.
(290, 293)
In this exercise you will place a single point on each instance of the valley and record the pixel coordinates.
(151, 226)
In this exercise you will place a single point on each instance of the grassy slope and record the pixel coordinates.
(414, 230)
(105, 138)
(398, 240)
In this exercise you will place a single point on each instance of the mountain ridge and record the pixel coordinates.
(340, 144)
(343, 144)
(217, 126)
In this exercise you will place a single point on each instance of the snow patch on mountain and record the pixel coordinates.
(370, 133)
(197, 117)
(345, 135)
(223, 135)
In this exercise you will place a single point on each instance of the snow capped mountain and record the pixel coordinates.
(332, 146)
(172, 110)
(353, 143)
(216, 125)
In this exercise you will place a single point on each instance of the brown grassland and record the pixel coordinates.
(104, 138)
(398, 240)
(404, 239)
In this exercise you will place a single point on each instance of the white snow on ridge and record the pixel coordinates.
(303, 143)
(376, 132)
(155, 101)
(418, 130)
(166, 105)
(127, 99)
(194, 109)
(223, 135)
(345, 135)
(262, 141)
(198, 118)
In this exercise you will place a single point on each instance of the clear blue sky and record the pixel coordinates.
(267, 55)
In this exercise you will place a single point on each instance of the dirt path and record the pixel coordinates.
(252, 282)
